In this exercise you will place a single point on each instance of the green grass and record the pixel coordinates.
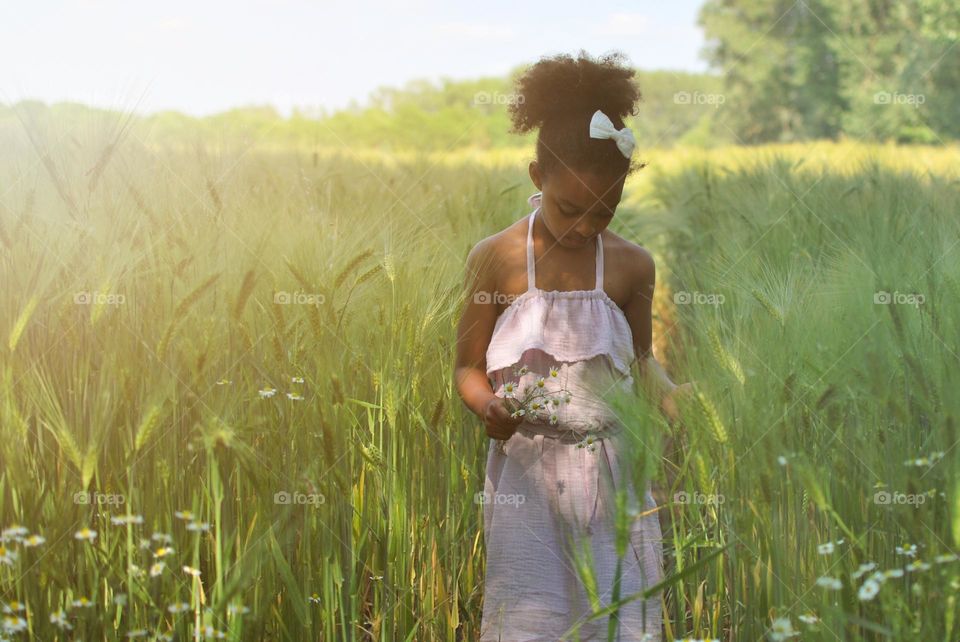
(776, 271)
(222, 272)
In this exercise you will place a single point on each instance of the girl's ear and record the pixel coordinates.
(535, 176)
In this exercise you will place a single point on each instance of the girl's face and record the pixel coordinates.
(576, 206)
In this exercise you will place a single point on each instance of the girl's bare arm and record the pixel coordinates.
(639, 313)
(476, 327)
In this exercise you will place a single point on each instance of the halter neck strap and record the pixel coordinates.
(531, 270)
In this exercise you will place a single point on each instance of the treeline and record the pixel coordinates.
(873, 70)
(419, 115)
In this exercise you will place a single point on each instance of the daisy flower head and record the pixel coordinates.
(15, 532)
(121, 520)
(59, 619)
(868, 590)
(178, 607)
(33, 540)
(13, 624)
(782, 629)
(86, 534)
(7, 556)
(831, 583)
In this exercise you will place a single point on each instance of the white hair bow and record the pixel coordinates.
(602, 127)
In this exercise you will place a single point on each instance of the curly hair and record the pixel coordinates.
(559, 95)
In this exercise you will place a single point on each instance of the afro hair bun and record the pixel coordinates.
(560, 87)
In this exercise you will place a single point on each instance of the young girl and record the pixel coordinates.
(558, 305)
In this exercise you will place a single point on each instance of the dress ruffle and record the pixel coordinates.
(568, 325)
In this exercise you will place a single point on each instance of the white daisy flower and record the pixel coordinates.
(831, 583)
(782, 629)
(13, 624)
(59, 618)
(178, 607)
(868, 590)
(86, 534)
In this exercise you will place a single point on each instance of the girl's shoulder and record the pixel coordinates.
(500, 249)
(626, 257)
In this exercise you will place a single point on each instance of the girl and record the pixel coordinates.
(542, 324)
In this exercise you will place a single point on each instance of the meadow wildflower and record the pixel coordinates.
(7, 556)
(59, 619)
(868, 590)
(863, 568)
(782, 629)
(831, 583)
(86, 534)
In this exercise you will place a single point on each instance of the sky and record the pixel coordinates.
(206, 56)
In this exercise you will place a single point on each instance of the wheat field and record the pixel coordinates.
(228, 408)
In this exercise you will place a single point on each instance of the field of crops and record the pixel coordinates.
(228, 409)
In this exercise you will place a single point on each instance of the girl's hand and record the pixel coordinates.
(669, 402)
(497, 419)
